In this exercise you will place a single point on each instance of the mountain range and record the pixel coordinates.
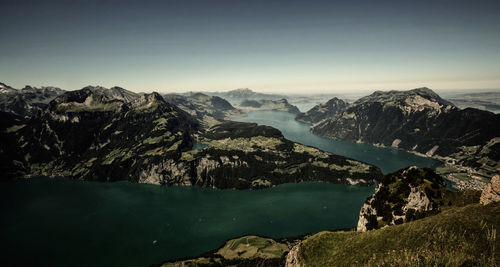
(114, 134)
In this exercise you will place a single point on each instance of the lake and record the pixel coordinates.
(63, 222)
(387, 159)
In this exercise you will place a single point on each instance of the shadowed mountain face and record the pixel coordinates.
(27, 101)
(416, 120)
(207, 110)
(102, 134)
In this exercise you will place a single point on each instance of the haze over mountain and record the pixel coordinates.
(272, 46)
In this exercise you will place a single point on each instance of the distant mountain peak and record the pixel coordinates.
(246, 90)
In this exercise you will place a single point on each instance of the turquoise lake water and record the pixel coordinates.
(62, 222)
(387, 159)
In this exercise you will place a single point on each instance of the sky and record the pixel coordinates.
(269, 46)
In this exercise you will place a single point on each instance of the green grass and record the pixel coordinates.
(252, 247)
(457, 236)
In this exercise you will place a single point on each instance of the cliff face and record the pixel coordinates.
(403, 196)
(275, 105)
(492, 193)
(417, 120)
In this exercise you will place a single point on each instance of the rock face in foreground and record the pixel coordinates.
(274, 105)
(492, 193)
(403, 196)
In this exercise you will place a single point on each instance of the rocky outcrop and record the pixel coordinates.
(403, 196)
(292, 258)
(274, 105)
(492, 193)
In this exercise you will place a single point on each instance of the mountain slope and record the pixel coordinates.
(93, 134)
(113, 134)
(333, 108)
(460, 236)
(234, 149)
(419, 120)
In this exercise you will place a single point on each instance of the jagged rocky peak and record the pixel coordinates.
(403, 196)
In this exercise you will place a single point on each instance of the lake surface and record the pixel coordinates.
(387, 159)
(62, 222)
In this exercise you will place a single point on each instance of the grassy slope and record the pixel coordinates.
(461, 235)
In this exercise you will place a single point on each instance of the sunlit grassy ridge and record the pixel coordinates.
(457, 236)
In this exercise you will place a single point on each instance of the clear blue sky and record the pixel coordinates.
(273, 46)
